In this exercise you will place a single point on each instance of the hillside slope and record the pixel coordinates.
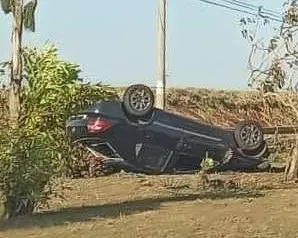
(226, 108)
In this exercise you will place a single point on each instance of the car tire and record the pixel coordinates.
(249, 136)
(138, 100)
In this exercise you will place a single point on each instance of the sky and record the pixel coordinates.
(115, 41)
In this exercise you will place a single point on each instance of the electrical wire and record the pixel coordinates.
(239, 10)
(257, 11)
(239, 4)
(253, 7)
(250, 7)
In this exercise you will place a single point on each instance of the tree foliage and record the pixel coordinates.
(273, 64)
(29, 10)
(277, 69)
(37, 152)
(6, 6)
(29, 15)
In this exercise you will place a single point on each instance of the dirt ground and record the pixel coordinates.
(129, 205)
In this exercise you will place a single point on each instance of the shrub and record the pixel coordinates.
(32, 156)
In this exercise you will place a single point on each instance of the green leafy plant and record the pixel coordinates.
(208, 163)
(36, 153)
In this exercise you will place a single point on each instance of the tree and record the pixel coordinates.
(36, 155)
(273, 63)
(277, 67)
(22, 16)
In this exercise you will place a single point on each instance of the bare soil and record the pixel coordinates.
(130, 205)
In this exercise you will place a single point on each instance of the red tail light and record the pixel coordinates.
(97, 125)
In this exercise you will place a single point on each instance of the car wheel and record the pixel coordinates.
(249, 135)
(138, 100)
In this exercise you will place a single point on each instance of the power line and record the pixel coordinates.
(239, 4)
(239, 10)
(253, 7)
(261, 9)
(274, 18)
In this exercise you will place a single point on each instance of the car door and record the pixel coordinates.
(154, 149)
(124, 138)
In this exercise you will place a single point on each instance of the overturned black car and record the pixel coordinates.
(135, 136)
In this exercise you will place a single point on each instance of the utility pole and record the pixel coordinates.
(161, 53)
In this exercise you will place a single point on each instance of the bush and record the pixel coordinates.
(35, 154)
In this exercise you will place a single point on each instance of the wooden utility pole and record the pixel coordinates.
(16, 70)
(161, 53)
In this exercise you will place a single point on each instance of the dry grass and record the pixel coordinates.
(162, 206)
(226, 108)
